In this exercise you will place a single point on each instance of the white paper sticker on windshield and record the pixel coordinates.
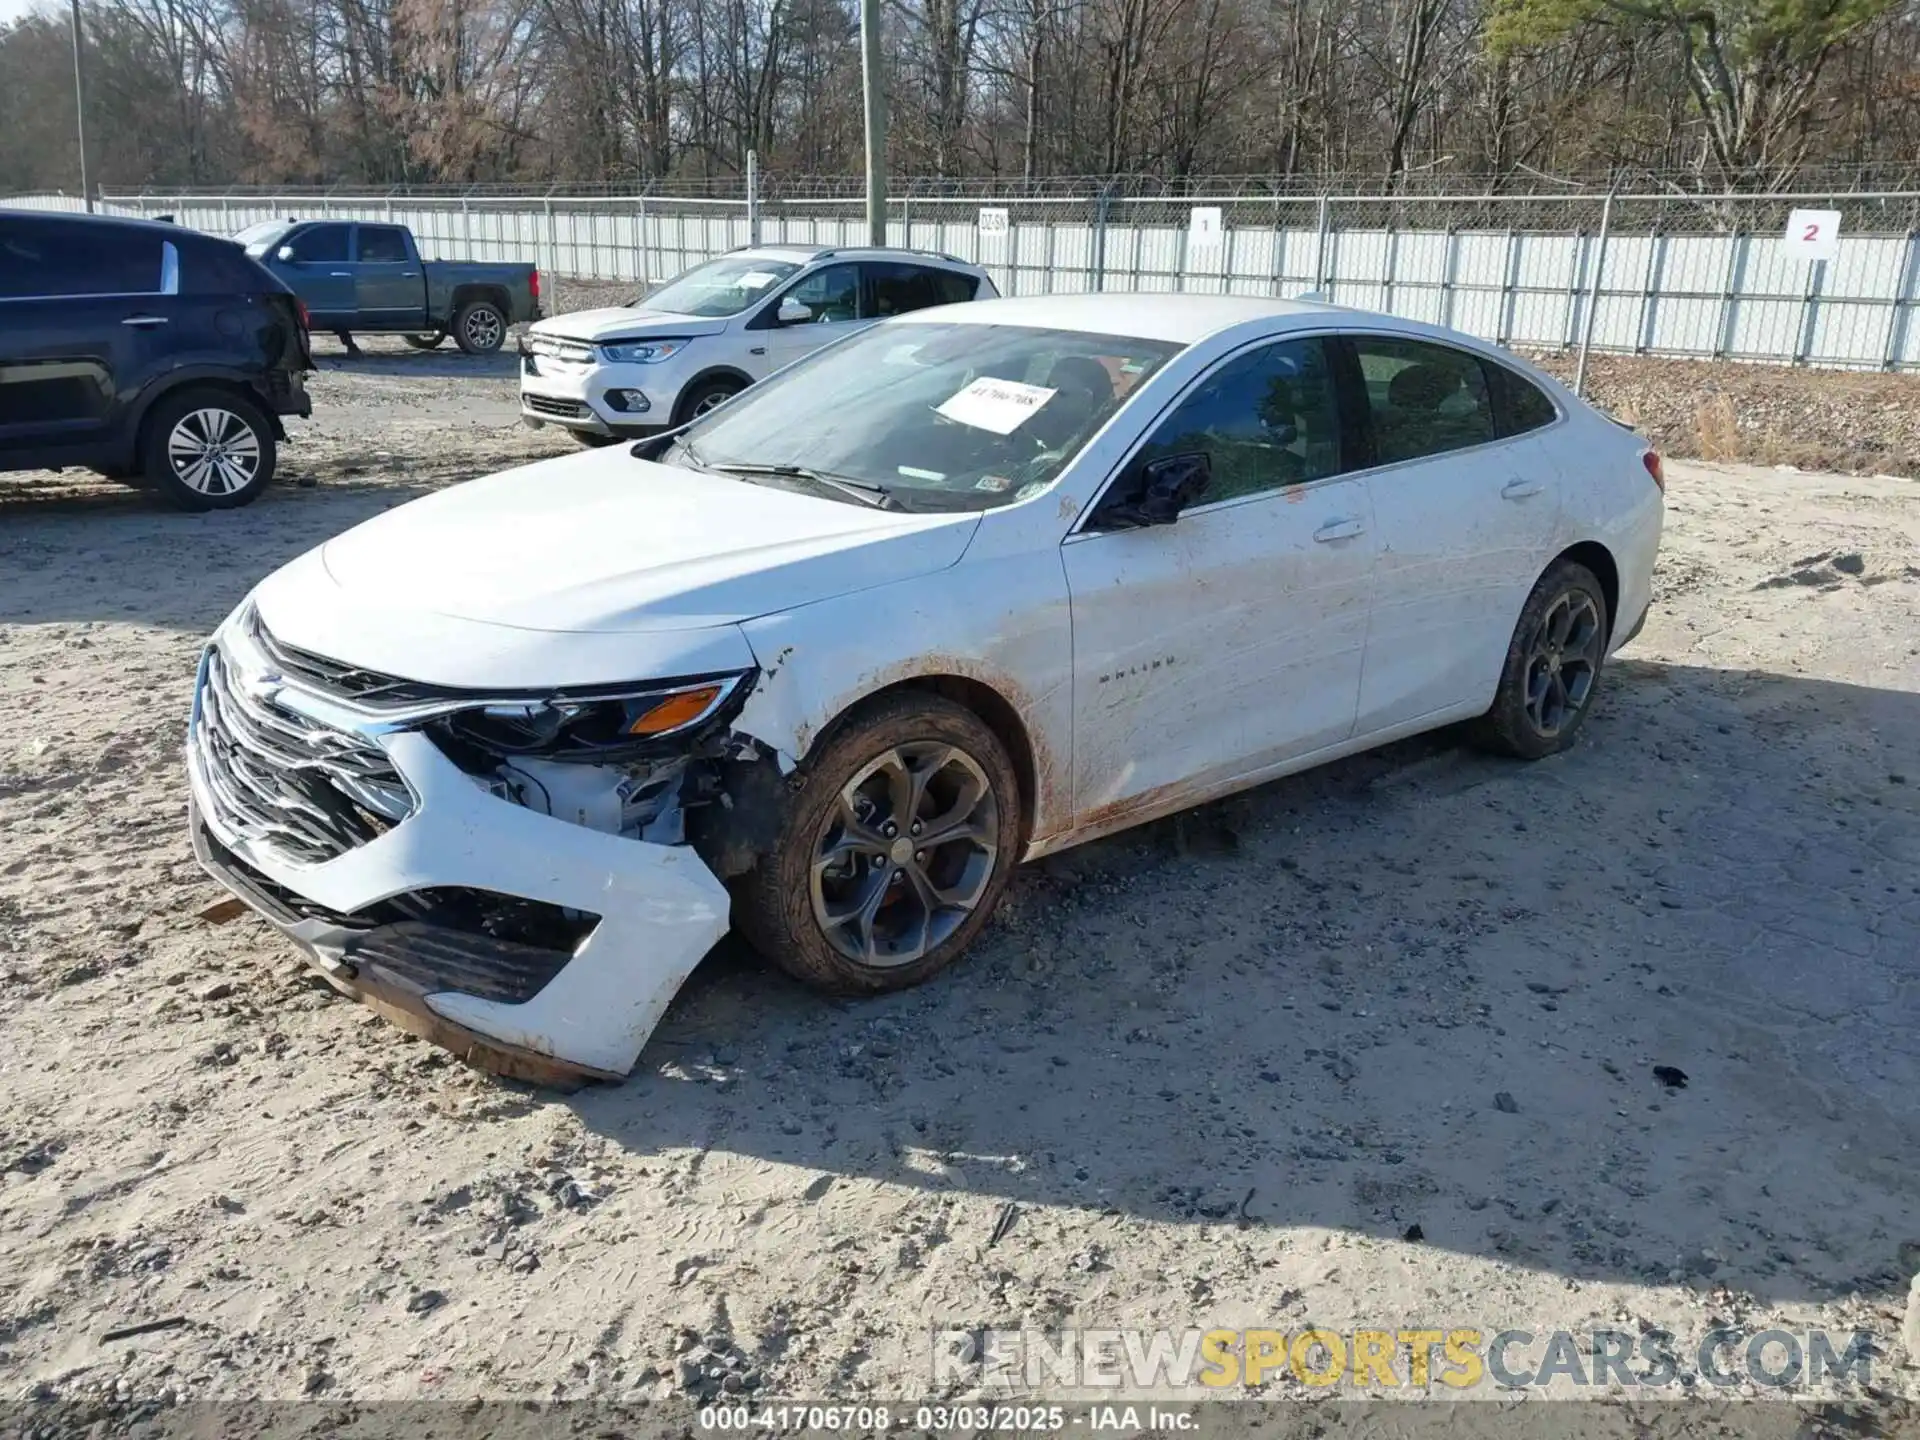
(757, 280)
(1001, 406)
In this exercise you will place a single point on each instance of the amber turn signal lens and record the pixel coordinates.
(675, 711)
(1654, 468)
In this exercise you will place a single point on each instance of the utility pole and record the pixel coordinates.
(80, 106)
(874, 84)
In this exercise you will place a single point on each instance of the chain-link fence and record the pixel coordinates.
(1670, 274)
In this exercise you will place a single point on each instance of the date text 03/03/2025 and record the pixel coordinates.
(786, 1417)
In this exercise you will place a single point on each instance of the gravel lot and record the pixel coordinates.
(1207, 1073)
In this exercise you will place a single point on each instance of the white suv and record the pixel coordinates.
(632, 370)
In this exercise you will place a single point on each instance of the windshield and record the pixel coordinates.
(262, 237)
(720, 287)
(935, 416)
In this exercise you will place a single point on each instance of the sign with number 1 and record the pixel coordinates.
(1812, 235)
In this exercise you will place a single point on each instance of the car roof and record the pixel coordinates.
(164, 228)
(1185, 319)
(807, 254)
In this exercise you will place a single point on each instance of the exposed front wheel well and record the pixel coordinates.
(994, 709)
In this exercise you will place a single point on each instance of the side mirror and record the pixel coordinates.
(792, 312)
(284, 254)
(1166, 487)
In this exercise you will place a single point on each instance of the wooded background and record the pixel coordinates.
(1390, 94)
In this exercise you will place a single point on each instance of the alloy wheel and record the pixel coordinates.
(712, 400)
(905, 855)
(213, 452)
(483, 329)
(1563, 659)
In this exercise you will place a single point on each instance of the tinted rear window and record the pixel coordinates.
(954, 288)
(1524, 406)
(382, 244)
(59, 258)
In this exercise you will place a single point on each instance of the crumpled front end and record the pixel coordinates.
(534, 915)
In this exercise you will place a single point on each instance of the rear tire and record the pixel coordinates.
(480, 328)
(1552, 673)
(207, 450)
(906, 761)
(426, 342)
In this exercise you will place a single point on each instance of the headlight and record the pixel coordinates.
(641, 352)
(603, 726)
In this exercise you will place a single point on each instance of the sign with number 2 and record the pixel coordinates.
(1812, 235)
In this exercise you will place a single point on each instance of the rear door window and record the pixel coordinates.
(383, 244)
(953, 287)
(64, 259)
(1423, 398)
(900, 288)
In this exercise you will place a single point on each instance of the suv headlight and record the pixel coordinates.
(641, 352)
(603, 726)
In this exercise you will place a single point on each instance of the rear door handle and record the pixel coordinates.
(1519, 489)
(1338, 530)
(340, 274)
(144, 322)
(409, 275)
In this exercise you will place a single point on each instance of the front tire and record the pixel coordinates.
(480, 328)
(896, 846)
(426, 342)
(593, 439)
(708, 395)
(1552, 674)
(207, 450)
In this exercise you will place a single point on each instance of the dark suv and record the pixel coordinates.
(147, 352)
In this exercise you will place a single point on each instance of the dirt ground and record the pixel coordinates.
(1206, 1073)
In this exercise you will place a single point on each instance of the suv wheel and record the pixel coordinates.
(706, 396)
(479, 328)
(207, 450)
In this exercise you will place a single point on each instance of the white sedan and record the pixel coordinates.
(967, 588)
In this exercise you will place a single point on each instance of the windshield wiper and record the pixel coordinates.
(875, 495)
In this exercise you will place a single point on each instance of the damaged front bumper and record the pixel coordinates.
(532, 945)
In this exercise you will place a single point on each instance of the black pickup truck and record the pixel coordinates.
(358, 276)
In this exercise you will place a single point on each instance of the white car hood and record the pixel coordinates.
(623, 322)
(606, 544)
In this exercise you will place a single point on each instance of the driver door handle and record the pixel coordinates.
(144, 322)
(1338, 530)
(1519, 489)
(339, 274)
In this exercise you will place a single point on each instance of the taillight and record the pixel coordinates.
(306, 320)
(535, 285)
(1651, 459)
